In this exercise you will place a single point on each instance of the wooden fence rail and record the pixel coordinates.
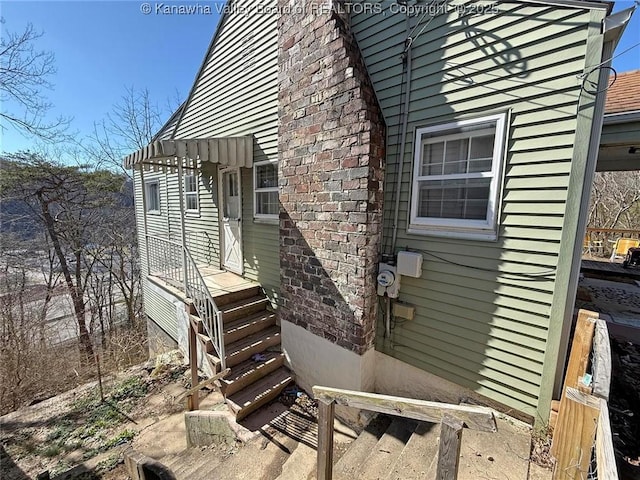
(582, 427)
(451, 417)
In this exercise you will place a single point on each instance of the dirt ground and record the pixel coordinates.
(79, 433)
(624, 407)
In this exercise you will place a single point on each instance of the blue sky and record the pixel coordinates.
(103, 47)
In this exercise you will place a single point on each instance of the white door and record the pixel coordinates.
(231, 210)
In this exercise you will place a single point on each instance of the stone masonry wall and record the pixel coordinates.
(330, 149)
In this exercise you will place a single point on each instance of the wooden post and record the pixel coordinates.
(578, 361)
(325, 439)
(449, 449)
(194, 399)
(144, 218)
(575, 434)
(183, 234)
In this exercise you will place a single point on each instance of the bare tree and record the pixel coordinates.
(68, 203)
(129, 126)
(615, 200)
(25, 299)
(24, 73)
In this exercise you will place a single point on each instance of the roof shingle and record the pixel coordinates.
(624, 94)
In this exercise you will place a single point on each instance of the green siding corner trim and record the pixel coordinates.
(583, 166)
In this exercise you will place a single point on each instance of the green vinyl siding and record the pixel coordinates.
(156, 306)
(234, 94)
(483, 308)
(160, 309)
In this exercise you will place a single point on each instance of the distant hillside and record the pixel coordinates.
(17, 218)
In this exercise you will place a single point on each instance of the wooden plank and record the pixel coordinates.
(193, 401)
(578, 361)
(475, 418)
(580, 348)
(575, 435)
(449, 449)
(553, 420)
(605, 456)
(553, 415)
(601, 360)
(326, 410)
(204, 383)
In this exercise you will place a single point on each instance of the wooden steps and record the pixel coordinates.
(238, 329)
(244, 308)
(259, 393)
(249, 371)
(255, 343)
(252, 350)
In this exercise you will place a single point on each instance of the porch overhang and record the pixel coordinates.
(231, 151)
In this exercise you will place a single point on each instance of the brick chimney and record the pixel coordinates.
(330, 148)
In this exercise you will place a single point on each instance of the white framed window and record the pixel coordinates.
(191, 200)
(265, 190)
(456, 178)
(152, 194)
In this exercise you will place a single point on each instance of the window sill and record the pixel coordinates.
(192, 213)
(430, 231)
(266, 221)
(154, 212)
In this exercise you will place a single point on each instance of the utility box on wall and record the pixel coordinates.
(388, 281)
(409, 264)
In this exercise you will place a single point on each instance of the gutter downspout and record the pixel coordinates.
(403, 139)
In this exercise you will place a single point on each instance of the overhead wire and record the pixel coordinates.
(542, 275)
(609, 59)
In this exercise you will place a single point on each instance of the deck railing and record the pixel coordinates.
(172, 262)
(453, 418)
(599, 242)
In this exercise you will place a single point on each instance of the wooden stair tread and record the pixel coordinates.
(259, 393)
(243, 327)
(249, 366)
(248, 372)
(227, 298)
(261, 298)
(236, 324)
(252, 340)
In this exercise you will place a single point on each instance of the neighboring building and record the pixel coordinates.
(317, 143)
(620, 141)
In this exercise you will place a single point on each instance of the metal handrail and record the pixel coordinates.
(173, 262)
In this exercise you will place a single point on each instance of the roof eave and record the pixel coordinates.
(621, 117)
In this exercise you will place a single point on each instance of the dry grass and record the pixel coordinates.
(31, 371)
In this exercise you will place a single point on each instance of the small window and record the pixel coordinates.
(191, 202)
(152, 193)
(456, 178)
(265, 180)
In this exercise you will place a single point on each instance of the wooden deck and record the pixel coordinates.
(221, 282)
(218, 281)
(606, 268)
